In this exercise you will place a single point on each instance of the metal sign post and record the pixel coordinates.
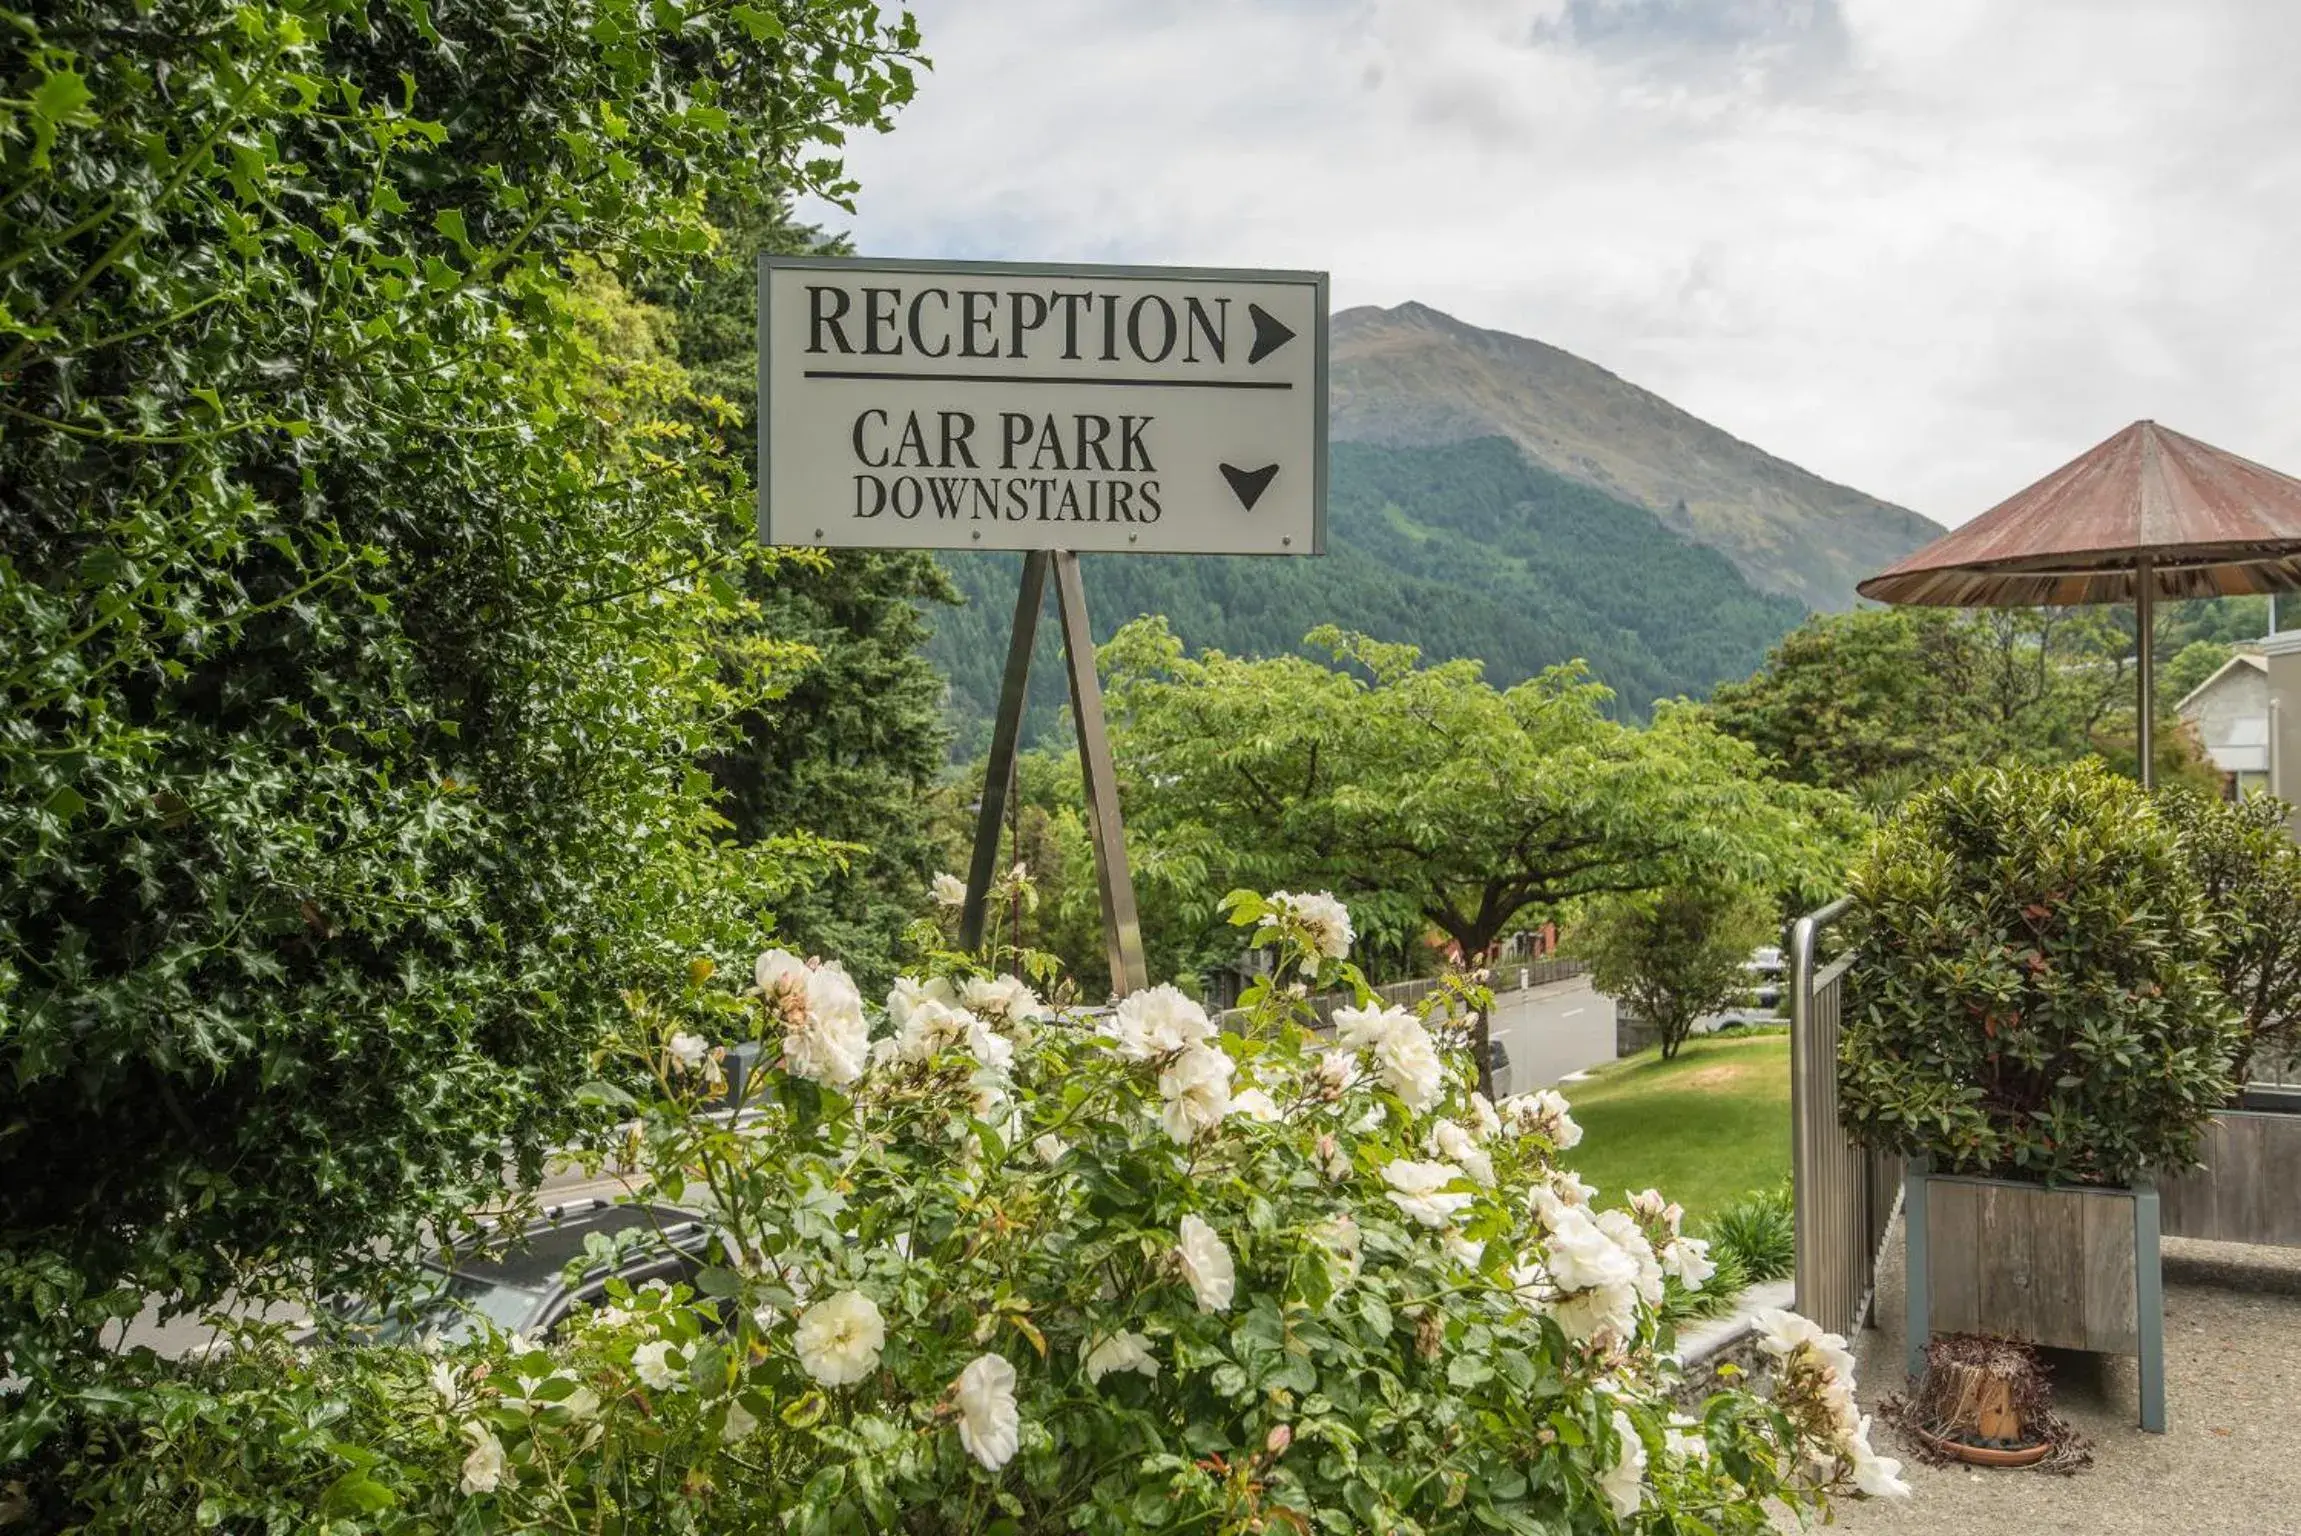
(1122, 927)
(1049, 409)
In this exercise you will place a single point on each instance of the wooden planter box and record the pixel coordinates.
(2064, 1268)
(2244, 1193)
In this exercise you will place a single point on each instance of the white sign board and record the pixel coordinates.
(975, 405)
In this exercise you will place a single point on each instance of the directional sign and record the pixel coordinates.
(976, 405)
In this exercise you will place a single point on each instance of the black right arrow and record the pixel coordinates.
(1249, 484)
(1269, 333)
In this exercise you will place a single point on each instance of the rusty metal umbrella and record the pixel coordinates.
(2147, 514)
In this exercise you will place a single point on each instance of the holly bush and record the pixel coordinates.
(985, 1266)
(2036, 995)
(365, 606)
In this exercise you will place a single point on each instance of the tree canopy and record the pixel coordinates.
(369, 591)
(849, 750)
(1880, 701)
(1424, 791)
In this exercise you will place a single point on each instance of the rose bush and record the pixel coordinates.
(1008, 1268)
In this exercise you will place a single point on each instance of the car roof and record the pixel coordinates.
(533, 1259)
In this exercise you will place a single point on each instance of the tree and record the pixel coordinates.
(1879, 701)
(2249, 870)
(851, 747)
(1424, 789)
(1674, 955)
(367, 598)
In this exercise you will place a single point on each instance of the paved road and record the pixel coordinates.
(1551, 1031)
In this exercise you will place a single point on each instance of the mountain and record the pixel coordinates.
(1465, 550)
(1411, 376)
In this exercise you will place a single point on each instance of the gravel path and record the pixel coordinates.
(2229, 1463)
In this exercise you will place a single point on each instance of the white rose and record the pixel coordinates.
(1196, 1087)
(1326, 920)
(1688, 1258)
(1121, 1351)
(1049, 1148)
(1624, 1481)
(1206, 1264)
(777, 967)
(949, 890)
(839, 1339)
(1623, 1228)
(1410, 1064)
(990, 1426)
(931, 1026)
(1454, 1142)
(909, 992)
(1780, 1332)
(832, 1042)
(689, 1050)
(485, 1469)
(1462, 1250)
(1004, 999)
(1561, 1189)
(1337, 1071)
(1879, 1477)
(1483, 1120)
(1419, 1189)
(651, 1362)
(1255, 1105)
(1581, 1256)
(447, 1382)
(1359, 1029)
(1156, 1021)
(1604, 1314)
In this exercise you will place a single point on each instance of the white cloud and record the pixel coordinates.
(1931, 248)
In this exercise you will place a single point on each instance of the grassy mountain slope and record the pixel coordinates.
(1412, 376)
(1465, 550)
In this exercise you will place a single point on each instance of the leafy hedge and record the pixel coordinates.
(366, 600)
(2037, 995)
(984, 1268)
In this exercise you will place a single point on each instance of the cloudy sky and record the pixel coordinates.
(1931, 248)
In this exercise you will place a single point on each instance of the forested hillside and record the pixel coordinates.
(1413, 376)
(1464, 550)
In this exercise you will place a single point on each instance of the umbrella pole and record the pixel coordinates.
(2145, 655)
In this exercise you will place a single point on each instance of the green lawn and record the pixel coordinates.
(1703, 1129)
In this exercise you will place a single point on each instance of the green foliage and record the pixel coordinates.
(1325, 1342)
(850, 748)
(1759, 1232)
(2037, 995)
(1674, 954)
(2248, 868)
(369, 588)
(1439, 797)
(1464, 550)
(2191, 666)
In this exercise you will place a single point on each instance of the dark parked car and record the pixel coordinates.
(516, 1280)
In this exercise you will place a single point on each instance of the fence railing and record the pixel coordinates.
(1844, 1195)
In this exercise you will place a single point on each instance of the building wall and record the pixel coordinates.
(2284, 653)
(2243, 692)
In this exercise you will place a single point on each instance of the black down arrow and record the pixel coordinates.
(1269, 333)
(1249, 484)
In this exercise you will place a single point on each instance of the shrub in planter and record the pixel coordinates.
(2037, 995)
(984, 1266)
(2248, 869)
